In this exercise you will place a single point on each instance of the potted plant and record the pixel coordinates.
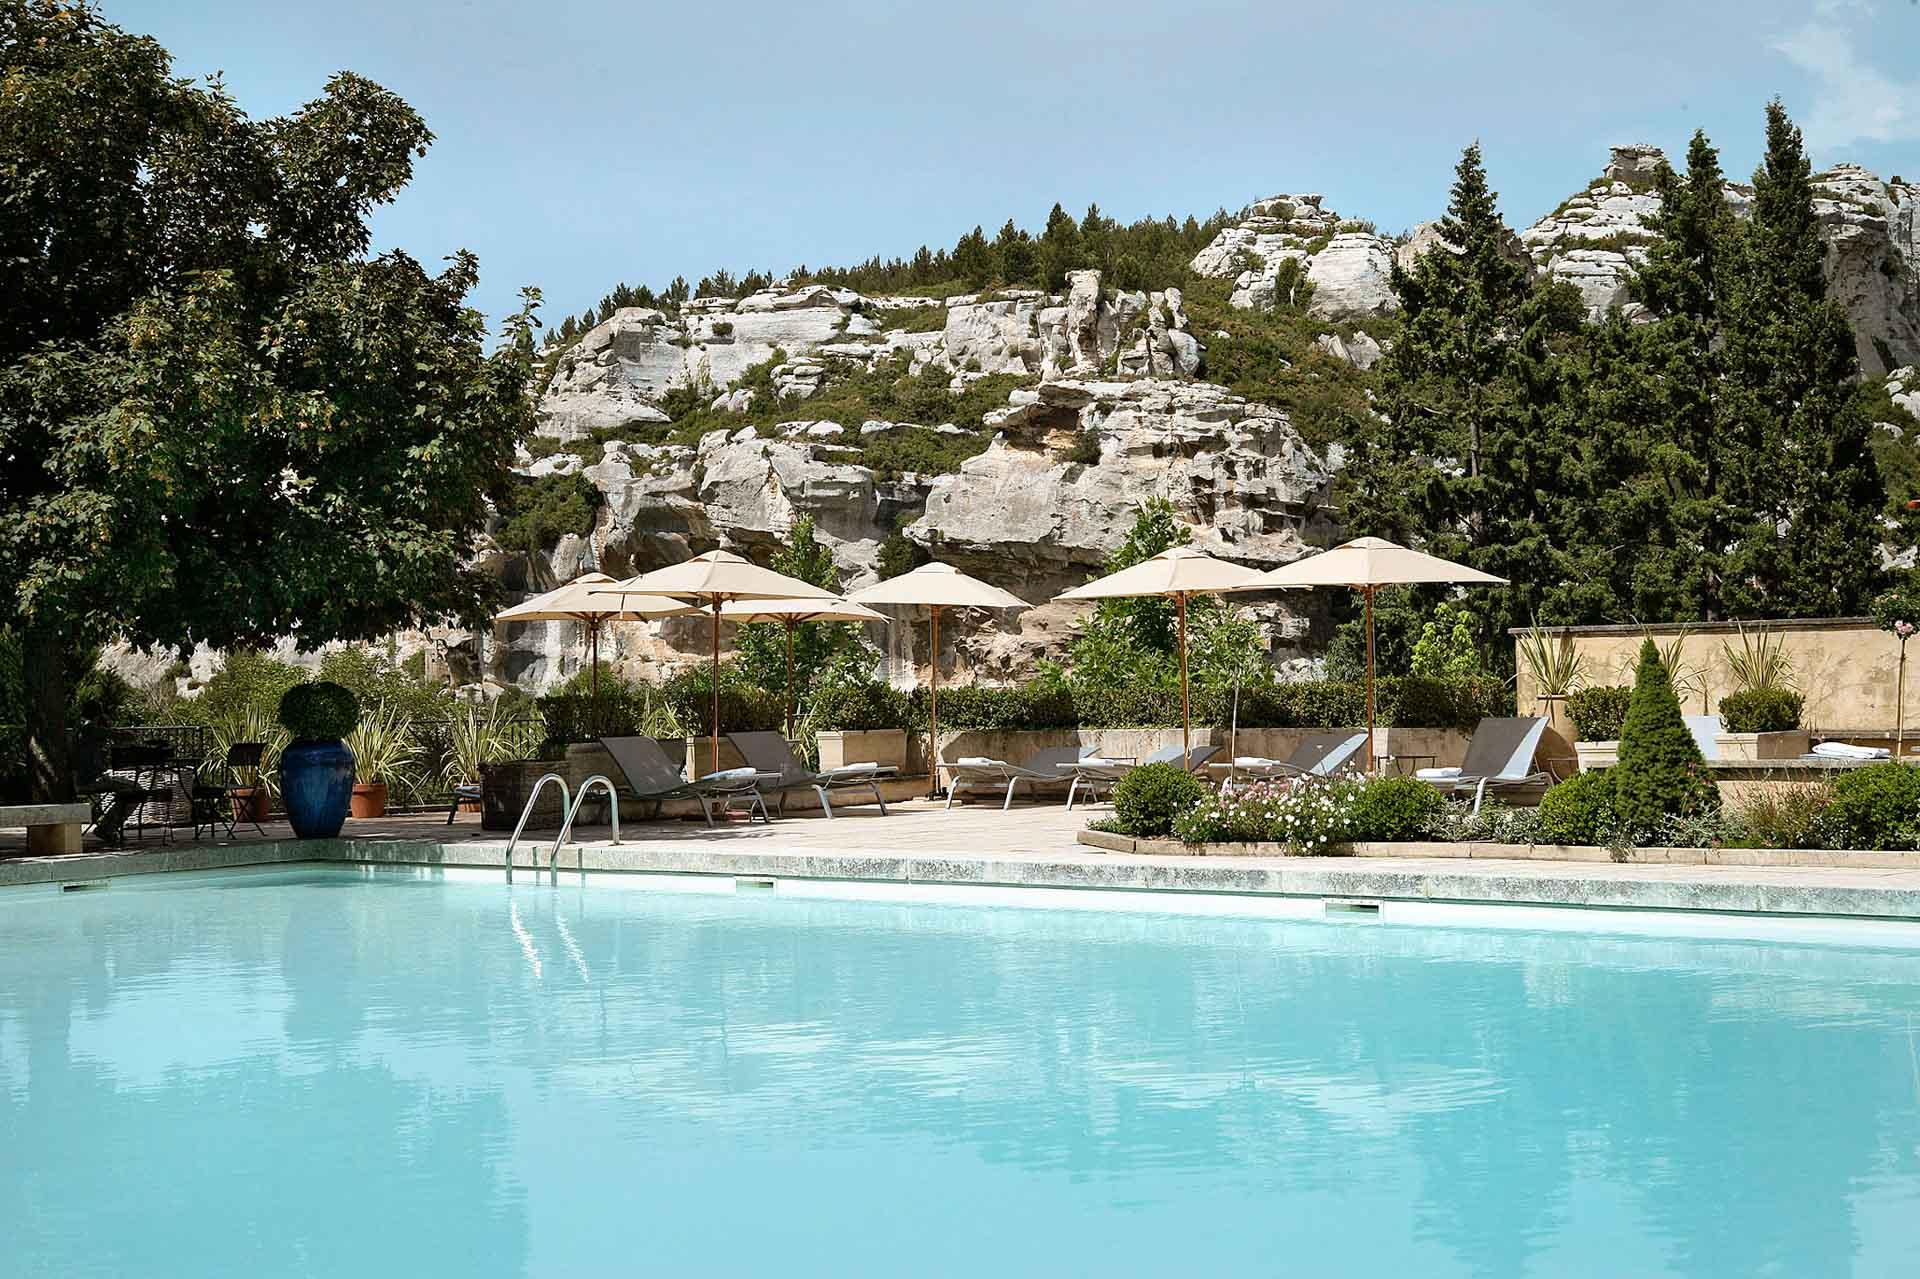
(381, 748)
(316, 768)
(480, 736)
(1761, 717)
(1555, 666)
(1898, 611)
(1597, 712)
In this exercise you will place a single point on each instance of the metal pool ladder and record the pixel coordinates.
(570, 806)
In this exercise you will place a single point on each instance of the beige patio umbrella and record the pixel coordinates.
(936, 587)
(1367, 564)
(791, 614)
(576, 602)
(714, 579)
(1177, 572)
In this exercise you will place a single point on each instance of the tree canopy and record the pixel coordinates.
(220, 420)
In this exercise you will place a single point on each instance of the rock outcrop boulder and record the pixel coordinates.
(1347, 264)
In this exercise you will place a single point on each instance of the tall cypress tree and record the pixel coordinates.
(1471, 458)
(1812, 495)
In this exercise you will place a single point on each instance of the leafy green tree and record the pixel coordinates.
(822, 651)
(219, 421)
(1660, 773)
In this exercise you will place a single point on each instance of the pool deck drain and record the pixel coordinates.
(1030, 847)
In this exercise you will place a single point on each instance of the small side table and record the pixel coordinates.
(1407, 764)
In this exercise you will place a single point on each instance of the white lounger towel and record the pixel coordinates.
(1847, 750)
(1436, 774)
(867, 767)
(1255, 761)
(729, 774)
(1099, 761)
(977, 761)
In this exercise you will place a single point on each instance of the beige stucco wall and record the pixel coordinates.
(1845, 667)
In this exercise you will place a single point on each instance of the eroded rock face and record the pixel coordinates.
(1596, 239)
(1872, 230)
(1349, 269)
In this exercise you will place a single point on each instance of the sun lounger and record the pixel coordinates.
(1050, 767)
(771, 753)
(1094, 773)
(1318, 755)
(1499, 757)
(1847, 752)
(654, 778)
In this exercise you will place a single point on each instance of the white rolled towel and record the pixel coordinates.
(1847, 750)
(1096, 761)
(1437, 774)
(854, 768)
(728, 775)
(977, 761)
(1253, 761)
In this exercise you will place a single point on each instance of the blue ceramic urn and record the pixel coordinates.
(316, 786)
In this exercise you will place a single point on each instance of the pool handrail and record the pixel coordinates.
(566, 805)
(566, 827)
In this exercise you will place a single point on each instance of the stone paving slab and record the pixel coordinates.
(1035, 847)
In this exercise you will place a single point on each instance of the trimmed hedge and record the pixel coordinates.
(1762, 710)
(744, 708)
(1873, 807)
(858, 708)
(1579, 810)
(322, 711)
(1598, 713)
(1406, 702)
(1395, 808)
(1148, 799)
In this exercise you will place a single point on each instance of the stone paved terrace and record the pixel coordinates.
(1034, 846)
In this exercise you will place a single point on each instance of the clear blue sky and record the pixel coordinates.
(582, 142)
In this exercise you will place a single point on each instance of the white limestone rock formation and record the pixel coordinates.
(1349, 268)
(1597, 237)
(1872, 230)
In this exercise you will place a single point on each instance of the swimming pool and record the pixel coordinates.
(333, 1071)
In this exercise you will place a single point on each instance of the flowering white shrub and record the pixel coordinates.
(1309, 817)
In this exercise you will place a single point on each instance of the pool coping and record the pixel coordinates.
(1787, 891)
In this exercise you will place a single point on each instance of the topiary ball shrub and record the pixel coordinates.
(1660, 773)
(321, 711)
(1873, 807)
(1396, 808)
(1761, 710)
(1579, 810)
(1148, 799)
(1598, 712)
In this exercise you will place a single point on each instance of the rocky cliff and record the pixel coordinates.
(1109, 406)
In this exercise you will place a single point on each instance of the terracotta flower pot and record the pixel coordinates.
(252, 805)
(369, 800)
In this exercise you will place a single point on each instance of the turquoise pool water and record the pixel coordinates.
(330, 1072)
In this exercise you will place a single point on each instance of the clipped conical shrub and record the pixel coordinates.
(1661, 772)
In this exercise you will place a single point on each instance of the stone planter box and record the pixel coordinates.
(1594, 755)
(1741, 747)
(698, 757)
(886, 747)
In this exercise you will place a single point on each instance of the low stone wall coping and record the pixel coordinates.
(1827, 858)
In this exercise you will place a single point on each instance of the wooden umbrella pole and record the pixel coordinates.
(1186, 706)
(933, 709)
(1372, 763)
(790, 626)
(593, 651)
(715, 725)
